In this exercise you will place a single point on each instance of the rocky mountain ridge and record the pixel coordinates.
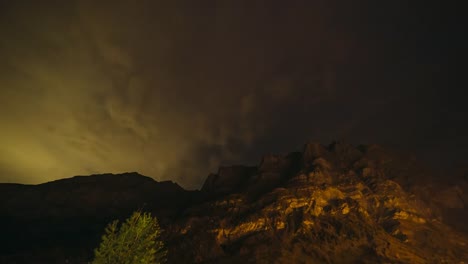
(325, 204)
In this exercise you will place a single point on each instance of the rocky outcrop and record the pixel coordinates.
(228, 179)
(313, 151)
(326, 204)
(273, 171)
(342, 205)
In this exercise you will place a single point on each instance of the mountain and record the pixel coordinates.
(325, 204)
(64, 219)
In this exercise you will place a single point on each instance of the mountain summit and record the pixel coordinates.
(325, 204)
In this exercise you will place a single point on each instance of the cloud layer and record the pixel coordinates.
(173, 90)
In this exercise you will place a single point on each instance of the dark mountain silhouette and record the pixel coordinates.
(325, 204)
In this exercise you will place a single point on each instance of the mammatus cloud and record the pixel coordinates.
(174, 90)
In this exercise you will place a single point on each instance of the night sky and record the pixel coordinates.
(174, 89)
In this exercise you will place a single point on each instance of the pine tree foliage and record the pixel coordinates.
(135, 241)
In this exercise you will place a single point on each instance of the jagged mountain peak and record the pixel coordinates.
(326, 204)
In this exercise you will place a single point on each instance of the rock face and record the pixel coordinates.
(228, 179)
(326, 204)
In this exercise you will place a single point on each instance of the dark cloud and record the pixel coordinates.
(175, 89)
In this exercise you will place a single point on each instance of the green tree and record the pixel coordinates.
(135, 241)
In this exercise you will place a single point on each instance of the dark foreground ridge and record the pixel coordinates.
(325, 204)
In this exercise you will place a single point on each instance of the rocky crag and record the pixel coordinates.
(325, 204)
